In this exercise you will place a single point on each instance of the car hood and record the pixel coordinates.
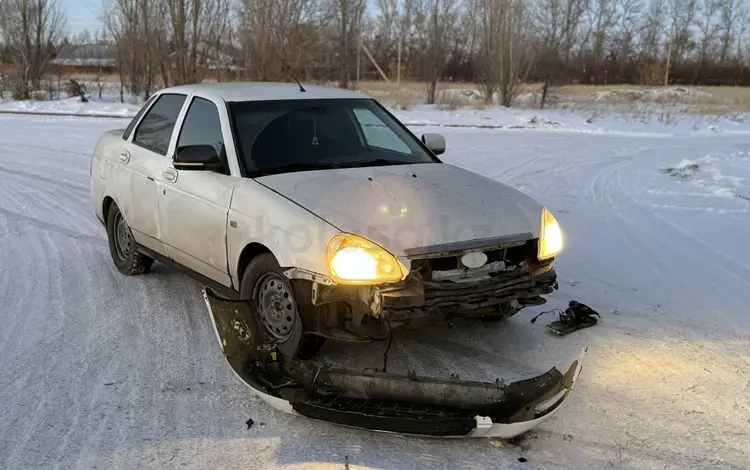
(408, 206)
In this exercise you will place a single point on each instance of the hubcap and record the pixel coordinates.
(276, 305)
(122, 237)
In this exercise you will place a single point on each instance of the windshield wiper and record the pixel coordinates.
(292, 167)
(378, 162)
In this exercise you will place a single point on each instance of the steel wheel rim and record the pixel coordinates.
(121, 237)
(276, 306)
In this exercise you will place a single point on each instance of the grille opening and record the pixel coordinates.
(513, 255)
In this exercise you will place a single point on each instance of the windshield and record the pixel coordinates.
(298, 135)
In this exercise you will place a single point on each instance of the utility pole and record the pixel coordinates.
(398, 62)
(359, 43)
(669, 59)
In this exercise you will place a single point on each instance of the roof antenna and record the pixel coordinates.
(283, 62)
(298, 83)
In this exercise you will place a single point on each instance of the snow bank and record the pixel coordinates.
(71, 106)
(637, 122)
(719, 174)
(571, 120)
(650, 94)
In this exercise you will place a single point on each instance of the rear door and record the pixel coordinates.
(193, 204)
(145, 156)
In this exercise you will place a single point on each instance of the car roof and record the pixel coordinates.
(263, 91)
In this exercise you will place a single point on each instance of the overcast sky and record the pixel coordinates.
(82, 14)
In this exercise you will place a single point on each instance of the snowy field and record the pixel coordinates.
(98, 370)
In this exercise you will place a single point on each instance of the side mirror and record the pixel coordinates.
(434, 142)
(197, 157)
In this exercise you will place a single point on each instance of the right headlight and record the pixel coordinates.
(551, 237)
(355, 260)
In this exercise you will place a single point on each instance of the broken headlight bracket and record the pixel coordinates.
(380, 401)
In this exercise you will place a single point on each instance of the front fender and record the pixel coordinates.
(295, 236)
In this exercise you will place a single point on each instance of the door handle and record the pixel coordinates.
(170, 174)
(125, 156)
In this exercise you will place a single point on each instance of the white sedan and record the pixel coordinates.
(319, 206)
(316, 214)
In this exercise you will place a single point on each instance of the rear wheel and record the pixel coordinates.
(122, 246)
(276, 307)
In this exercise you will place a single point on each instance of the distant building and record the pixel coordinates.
(78, 59)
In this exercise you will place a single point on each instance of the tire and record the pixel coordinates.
(122, 247)
(277, 308)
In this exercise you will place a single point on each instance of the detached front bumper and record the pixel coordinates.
(380, 401)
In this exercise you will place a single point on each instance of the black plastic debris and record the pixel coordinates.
(249, 423)
(576, 317)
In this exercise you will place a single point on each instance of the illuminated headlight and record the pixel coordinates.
(356, 260)
(551, 238)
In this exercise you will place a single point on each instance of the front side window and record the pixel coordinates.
(202, 126)
(298, 135)
(157, 126)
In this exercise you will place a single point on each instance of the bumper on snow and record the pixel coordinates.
(381, 401)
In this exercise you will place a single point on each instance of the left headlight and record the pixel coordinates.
(551, 237)
(356, 260)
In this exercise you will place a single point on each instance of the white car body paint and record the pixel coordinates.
(204, 220)
(406, 206)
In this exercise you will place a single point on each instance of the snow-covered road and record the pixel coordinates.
(98, 370)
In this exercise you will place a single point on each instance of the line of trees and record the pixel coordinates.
(32, 32)
(495, 43)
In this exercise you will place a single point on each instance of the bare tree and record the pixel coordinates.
(708, 26)
(272, 34)
(504, 57)
(681, 14)
(195, 27)
(730, 12)
(602, 19)
(441, 24)
(33, 33)
(348, 20)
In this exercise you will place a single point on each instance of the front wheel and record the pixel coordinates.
(275, 306)
(122, 247)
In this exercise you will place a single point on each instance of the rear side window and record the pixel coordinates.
(156, 128)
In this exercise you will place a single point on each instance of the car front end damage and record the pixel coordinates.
(378, 400)
(504, 275)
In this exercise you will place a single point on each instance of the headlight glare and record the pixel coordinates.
(551, 238)
(356, 260)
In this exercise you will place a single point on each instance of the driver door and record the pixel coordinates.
(194, 202)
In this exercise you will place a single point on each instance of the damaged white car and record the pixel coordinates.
(313, 213)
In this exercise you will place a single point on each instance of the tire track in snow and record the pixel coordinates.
(74, 325)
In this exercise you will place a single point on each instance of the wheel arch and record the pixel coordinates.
(251, 251)
(106, 205)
